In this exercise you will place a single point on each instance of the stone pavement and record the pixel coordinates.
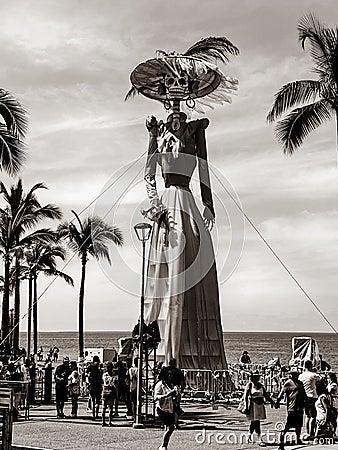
(202, 427)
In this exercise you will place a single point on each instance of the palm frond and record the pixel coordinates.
(12, 152)
(292, 130)
(43, 235)
(49, 211)
(211, 48)
(57, 273)
(310, 28)
(14, 114)
(292, 94)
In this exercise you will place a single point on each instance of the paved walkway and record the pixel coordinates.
(202, 428)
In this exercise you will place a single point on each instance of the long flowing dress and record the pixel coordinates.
(182, 289)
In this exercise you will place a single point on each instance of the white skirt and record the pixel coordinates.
(182, 289)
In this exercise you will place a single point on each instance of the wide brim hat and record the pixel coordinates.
(199, 62)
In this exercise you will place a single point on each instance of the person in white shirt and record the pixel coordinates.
(309, 380)
(164, 394)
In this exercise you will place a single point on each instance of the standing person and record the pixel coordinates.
(122, 372)
(55, 353)
(61, 375)
(324, 365)
(74, 387)
(178, 380)
(95, 386)
(332, 389)
(164, 395)
(294, 392)
(133, 370)
(109, 393)
(255, 394)
(309, 380)
(323, 405)
(40, 354)
(245, 358)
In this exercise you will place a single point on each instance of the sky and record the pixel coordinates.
(69, 63)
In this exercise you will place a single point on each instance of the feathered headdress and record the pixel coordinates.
(199, 67)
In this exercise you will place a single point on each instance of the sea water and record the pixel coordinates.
(261, 346)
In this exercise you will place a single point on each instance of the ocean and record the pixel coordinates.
(261, 346)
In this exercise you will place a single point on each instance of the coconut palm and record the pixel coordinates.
(43, 260)
(20, 215)
(312, 102)
(13, 127)
(89, 237)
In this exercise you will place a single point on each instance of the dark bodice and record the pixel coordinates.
(178, 153)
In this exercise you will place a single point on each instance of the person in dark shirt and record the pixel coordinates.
(323, 364)
(245, 358)
(61, 375)
(95, 385)
(294, 392)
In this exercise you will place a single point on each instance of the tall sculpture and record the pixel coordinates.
(182, 290)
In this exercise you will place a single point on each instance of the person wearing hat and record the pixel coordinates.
(255, 395)
(61, 375)
(294, 392)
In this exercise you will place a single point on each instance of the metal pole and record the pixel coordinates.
(138, 419)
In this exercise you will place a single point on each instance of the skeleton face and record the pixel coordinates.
(177, 86)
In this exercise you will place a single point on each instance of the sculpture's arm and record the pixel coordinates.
(151, 163)
(157, 207)
(203, 169)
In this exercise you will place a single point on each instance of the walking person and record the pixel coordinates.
(178, 380)
(309, 380)
(74, 387)
(294, 392)
(95, 386)
(255, 394)
(164, 394)
(109, 394)
(61, 375)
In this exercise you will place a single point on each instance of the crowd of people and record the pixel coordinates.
(111, 382)
(305, 392)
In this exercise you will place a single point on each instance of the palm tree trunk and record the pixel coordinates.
(29, 325)
(17, 300)
(5, 304)
(337, 134)
(35, 312)
(81, 305)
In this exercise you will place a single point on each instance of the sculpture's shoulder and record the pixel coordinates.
(199, 124)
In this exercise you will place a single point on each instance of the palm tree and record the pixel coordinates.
(314, 101)
(21, 213)
(43, 260)
(13, 127)
(90, 238)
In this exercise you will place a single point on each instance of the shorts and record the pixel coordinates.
(310, 408)
(166, 417)
(96, 394)
(294, 419)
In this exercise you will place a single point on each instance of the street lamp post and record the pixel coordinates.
(29, 258)
(142, 231)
